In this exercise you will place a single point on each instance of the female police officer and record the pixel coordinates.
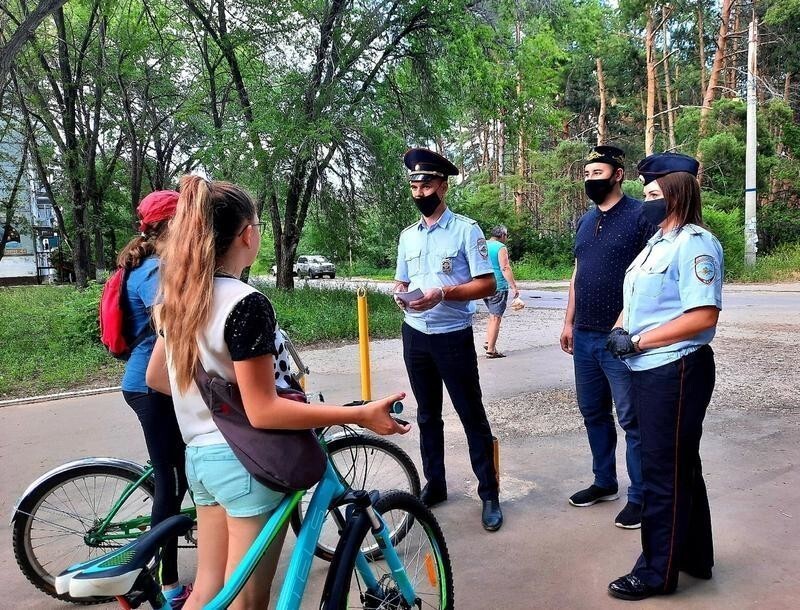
(672, 299)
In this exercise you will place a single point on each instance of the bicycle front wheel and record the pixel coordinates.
(364, 462)
(422, 552)
(60, 524)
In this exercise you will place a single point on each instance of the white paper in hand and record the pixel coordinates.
(407, 297)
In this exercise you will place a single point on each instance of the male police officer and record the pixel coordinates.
(608, 238)
(445, 256)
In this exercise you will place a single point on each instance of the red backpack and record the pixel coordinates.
(114, 317)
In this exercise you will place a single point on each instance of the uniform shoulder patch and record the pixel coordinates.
(705, 268)
(483, 249)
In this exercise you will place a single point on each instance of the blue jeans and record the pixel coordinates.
(599, 377)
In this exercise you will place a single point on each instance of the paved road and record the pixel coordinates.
(548, 555)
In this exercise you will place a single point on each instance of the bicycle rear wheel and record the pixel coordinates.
(364, 462)
(59, 523)
(422, 552)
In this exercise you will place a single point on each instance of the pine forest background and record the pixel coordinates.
(311, 104)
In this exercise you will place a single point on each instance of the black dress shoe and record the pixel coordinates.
(432, 495)
(631, 588)
(492, 517)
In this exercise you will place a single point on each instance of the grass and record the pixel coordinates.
(49, 334)
(782, 265)
(313, 315)
(46, 333)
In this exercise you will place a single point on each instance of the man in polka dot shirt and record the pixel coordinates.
(608, 238)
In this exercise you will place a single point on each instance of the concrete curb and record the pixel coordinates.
(73, 394)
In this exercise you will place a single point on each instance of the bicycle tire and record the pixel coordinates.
(343, 588)
(69, 501)
(343, 452)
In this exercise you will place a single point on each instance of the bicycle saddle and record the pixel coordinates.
(116, 572)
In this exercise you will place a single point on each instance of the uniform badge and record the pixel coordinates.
(447, 265)
(705, 269)
(483, 249)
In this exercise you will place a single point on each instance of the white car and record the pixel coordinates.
(314, 266)
(311, 266)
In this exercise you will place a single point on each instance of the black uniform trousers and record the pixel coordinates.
(449, 358)
(671, 402)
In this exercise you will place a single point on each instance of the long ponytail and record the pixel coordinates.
(209, 215)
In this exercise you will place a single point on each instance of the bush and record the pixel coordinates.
(729, 230)
(778, 224)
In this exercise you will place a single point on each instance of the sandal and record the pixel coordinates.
(495, 354)
(486, 347)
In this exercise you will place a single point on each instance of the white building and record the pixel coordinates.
(26, 259)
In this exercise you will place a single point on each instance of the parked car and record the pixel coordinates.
(314, 266)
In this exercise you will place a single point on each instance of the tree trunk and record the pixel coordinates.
(602, 135)
(649, 129)
(713, 79)
(24, 33)
(787, 83)
(519, 193)
(716, 67)
(80, 251)
(667, 83)
(701, 45)
(10, 205)
(730, 60)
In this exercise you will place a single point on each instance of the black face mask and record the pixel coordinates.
(655, 211)
(597, 190)
(427, 205)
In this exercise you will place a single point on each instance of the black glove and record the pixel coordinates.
(619, 342)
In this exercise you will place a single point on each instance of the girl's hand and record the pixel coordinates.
(375, 416)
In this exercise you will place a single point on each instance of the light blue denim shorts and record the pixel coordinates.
(216, 476)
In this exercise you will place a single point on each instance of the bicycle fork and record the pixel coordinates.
(381, 534)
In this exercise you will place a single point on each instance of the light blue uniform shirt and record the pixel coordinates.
(676, 272)
(452, 251)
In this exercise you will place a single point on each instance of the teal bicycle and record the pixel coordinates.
(84, 508)
(411, 568)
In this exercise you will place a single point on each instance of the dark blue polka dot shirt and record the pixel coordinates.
(605, 245)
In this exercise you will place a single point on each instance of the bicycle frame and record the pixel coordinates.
(293, 588)
(132, 528)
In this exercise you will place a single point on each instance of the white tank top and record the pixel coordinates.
(194, 419)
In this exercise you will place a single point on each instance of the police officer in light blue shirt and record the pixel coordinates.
(672, 297)
(445, 256)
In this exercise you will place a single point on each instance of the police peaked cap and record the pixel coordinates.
(661, 164)
(424, 165)
(613, 156)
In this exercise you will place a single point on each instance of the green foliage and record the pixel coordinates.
(299, 310)
(532, 268)
(778, 225)
(729, 230)
(783, 264)
(50, 341)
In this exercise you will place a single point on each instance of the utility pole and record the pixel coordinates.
(750, 234)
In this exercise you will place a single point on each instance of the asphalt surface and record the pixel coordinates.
(548, 554)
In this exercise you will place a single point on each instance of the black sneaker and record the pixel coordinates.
(630, 517)
(593, 495)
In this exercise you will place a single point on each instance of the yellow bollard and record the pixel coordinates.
(363, 344)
